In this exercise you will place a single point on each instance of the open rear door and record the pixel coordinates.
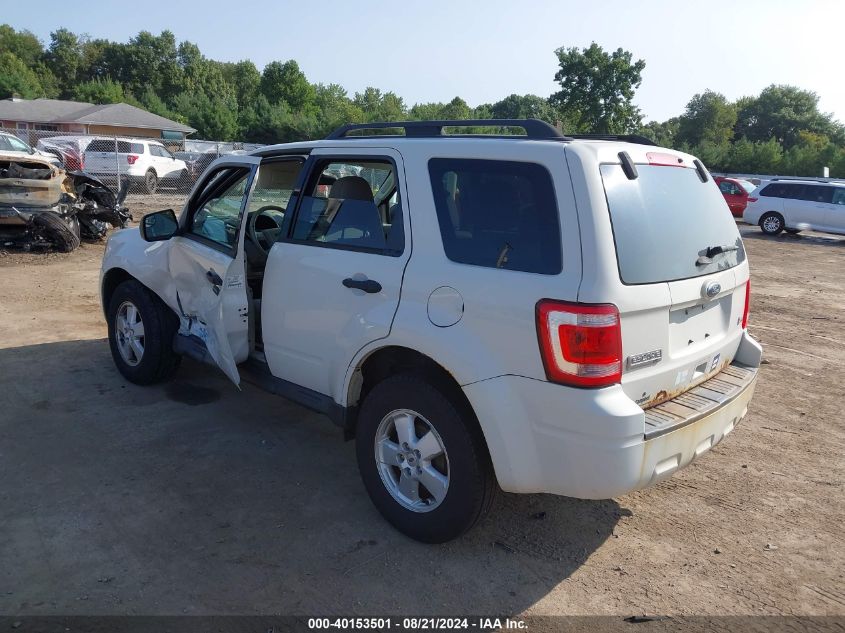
(206, 263)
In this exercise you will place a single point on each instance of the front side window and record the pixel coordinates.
(352, 204)
(497, 214)
(18, 145)
(838, 195)
(217, 213)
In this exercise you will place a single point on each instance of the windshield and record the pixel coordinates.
(664, 223)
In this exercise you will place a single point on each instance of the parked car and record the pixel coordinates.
(147, 163)
(13, 147)
(736, 192)
(797, 205)
(70, 150)
(568, 316)
(196, 162)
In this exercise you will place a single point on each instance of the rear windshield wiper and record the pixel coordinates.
(707, 258)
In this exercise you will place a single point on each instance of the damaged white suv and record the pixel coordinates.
(534, 312)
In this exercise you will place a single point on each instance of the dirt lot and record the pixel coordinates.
(196, 498)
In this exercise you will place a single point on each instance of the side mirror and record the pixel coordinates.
(159, 226)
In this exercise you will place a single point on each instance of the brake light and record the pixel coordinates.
(747, 303)
(581, 345)
(752, 199)
(131, 158)
(664, 159)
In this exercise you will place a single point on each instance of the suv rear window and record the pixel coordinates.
(664, 220)
(107, 145)
(497, 214)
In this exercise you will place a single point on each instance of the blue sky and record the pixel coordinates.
(485, 50)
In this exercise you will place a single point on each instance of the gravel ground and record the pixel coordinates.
(193, 497)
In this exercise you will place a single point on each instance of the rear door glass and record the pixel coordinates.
(497, 214)
(664, 221)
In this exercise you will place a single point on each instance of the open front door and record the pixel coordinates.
(206, 262)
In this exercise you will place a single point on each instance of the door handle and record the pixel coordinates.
(367, 285)
(214, 279)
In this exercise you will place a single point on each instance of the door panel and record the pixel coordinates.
(206, 263)
(324, 298)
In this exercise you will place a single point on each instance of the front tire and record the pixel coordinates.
(772, 223)
(63, 236)
(141, 330)
(423, 460)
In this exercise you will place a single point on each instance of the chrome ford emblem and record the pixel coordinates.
(712, 288)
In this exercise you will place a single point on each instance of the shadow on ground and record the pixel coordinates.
(193, 497)
(810, 238)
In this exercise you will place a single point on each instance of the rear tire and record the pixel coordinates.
(148, 358)
(772, 223)
(447, 510)
(57, 231)
(151, 181)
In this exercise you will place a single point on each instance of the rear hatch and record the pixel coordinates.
(101, 158)
(680, 255)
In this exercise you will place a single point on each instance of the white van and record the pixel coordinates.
(797, 205)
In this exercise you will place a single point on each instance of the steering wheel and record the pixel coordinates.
(259, 237)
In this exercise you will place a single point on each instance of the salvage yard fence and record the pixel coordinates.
(113, 156)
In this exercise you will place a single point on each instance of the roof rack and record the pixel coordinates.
(534, 128)
(627, 138)
(800, 179)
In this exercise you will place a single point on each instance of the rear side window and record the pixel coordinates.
(817, 193)
(664, 221)
(108, 145)
(783, 190)
(497, 214)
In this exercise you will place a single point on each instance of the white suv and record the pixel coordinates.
(147, 163)
(796, 205)
(539, 313)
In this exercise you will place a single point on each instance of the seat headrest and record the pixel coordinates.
(351, 188)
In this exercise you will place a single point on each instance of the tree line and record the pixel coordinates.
(781, 130)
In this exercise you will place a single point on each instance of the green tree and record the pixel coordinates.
(16, 78)
(22, 44)
(781, 113)
(378, 106)
(664, 134)
(99, 91)
(709, 117)
(597, 89)
(523, 107)
(213, 117)
(244, 78)
(286, 83)
(64, 55)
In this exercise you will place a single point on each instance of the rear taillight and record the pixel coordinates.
(131, 158)
(752, 199)
(747, 303)
(581, 345)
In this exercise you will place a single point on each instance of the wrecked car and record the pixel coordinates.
(43, 206)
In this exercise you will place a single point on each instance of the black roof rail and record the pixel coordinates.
(534, 128)
(626, 138)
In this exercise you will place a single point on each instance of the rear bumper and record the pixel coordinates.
(598, 444)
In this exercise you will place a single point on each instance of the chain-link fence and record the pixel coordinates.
(157, 171)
